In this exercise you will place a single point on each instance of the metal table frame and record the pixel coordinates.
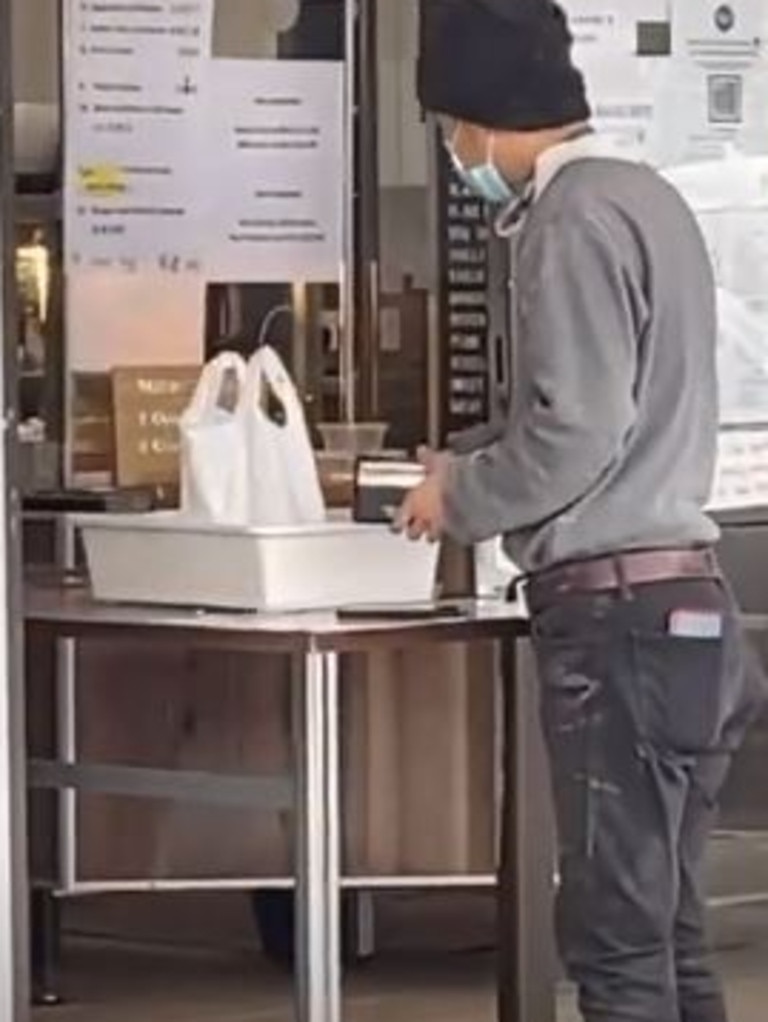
(316, 642)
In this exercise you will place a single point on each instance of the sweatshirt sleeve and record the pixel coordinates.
(477, 437)
(580, 321)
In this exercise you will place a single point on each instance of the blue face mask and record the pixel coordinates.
(486, 180)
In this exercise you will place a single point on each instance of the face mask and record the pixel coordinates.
(486, 180)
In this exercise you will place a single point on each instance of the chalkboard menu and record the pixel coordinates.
(464, 320)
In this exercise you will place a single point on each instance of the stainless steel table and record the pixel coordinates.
(315, 642)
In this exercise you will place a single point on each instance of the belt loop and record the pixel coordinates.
(621, 576)
(518, 584)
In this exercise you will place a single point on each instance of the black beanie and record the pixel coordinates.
(503, 64)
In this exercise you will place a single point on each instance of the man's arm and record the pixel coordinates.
(581, 317)
(478, 437)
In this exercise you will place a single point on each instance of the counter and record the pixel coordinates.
(315, 645)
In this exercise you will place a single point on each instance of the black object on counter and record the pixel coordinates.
(381, 485)
(400, 612)
(133, 500)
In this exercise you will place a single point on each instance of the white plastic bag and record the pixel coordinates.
(283, 482)
(214, 462)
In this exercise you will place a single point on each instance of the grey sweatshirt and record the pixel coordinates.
(611, 438)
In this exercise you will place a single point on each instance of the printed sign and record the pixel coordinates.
(147, 406)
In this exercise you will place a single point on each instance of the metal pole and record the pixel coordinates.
(367, 210)
(332, 829)
(318, 887)
(347, 339)
(14, 906)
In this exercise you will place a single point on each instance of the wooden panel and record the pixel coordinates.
(372, 778)
(168, 708)
(420, 766)
(418, 760)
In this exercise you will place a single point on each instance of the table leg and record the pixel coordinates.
(528, 969)
(318, 888)
(46, 936)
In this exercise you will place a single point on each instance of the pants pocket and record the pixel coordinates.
(570, 714)
(681, 692)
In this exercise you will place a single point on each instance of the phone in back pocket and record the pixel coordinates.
(696, 624)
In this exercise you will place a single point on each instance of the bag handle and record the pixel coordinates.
(268, 389)
(212, 383)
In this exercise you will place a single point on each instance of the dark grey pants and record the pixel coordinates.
(640, 726)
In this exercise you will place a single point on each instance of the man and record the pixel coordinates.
(598, 480)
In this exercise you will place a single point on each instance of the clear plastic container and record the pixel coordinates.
(353, 438)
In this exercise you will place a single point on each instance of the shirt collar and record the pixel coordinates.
(588, 146)
(549, 164)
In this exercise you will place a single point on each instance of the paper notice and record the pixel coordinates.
(730, 200)
(620, 84)
(742, 361)
(705, 111)
(275, 195)
(742, 471)
(609, 28)
(714, 85)
(718, 33)
(132, 79)
(623, 96)
(601, 28)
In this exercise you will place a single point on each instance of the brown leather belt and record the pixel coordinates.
(622, 571)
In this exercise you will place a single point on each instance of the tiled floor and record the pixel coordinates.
(194, 958)
(119, 985)
(201, 964)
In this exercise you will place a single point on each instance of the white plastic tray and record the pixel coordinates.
(164, 558)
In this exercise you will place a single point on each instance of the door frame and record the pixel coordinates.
(14, 881)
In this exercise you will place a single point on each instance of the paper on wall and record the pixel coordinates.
(621, 85)
(718, 33)
(623, 97)
(742, 361)
(742, 470)
(274, 201)
(602, 28)
(179, 162)
(133, 75)
(705, 112)
(730, 200)
(715, 84)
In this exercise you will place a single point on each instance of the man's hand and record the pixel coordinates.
(423, 510)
